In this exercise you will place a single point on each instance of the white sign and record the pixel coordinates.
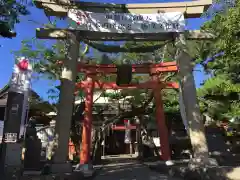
(127, 22)
(14, 109)
(10, 137)
(127, 139)
(156, 141)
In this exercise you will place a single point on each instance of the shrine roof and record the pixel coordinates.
(4, 94)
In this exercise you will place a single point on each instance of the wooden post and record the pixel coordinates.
(87, 123)
(138, 138)
(65, 107)
(103, 144)
(140, 144)
(162, 128)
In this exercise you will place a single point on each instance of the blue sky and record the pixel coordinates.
(26, 30)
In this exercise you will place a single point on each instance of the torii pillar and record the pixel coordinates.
(194, 118)
(66, 99)
(161, 123)
(87, 124)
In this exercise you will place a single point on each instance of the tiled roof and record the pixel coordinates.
(4, 91)
(3, 95)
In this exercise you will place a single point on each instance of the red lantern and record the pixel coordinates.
(23, 65)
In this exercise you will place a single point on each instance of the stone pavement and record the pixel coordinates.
(128, 171)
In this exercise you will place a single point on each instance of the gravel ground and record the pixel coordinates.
(129, 171)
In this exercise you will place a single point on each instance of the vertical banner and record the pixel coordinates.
(127, 139)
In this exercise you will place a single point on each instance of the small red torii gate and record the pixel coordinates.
(92, 82)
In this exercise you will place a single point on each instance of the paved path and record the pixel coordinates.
(129, 171)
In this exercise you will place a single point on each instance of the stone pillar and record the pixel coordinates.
(11, 148)
(194, 118)
(66, 103)
(162, 127)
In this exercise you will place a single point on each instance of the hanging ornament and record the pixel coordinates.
(23, 65)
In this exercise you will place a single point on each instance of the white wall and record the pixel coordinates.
(1, 130)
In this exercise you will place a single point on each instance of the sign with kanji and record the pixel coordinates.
(10, 137)
(127, 22)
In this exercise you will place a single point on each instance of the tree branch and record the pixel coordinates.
(135, 112)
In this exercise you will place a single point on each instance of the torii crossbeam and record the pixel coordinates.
(192, 9)
(144, 85)
(136, 68)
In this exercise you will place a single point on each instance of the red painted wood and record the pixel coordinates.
(144, 85)
(123, 127)
(136, 68)
(162, 128)
(87, 124)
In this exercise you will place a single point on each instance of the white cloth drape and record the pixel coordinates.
(182, 110)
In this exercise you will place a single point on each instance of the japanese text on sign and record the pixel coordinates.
(128, 23)
(10, 137)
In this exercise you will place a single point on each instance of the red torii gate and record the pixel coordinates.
(91, 83)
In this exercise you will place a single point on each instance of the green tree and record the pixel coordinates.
(11, 11)
(220, 94)
(219, 97)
